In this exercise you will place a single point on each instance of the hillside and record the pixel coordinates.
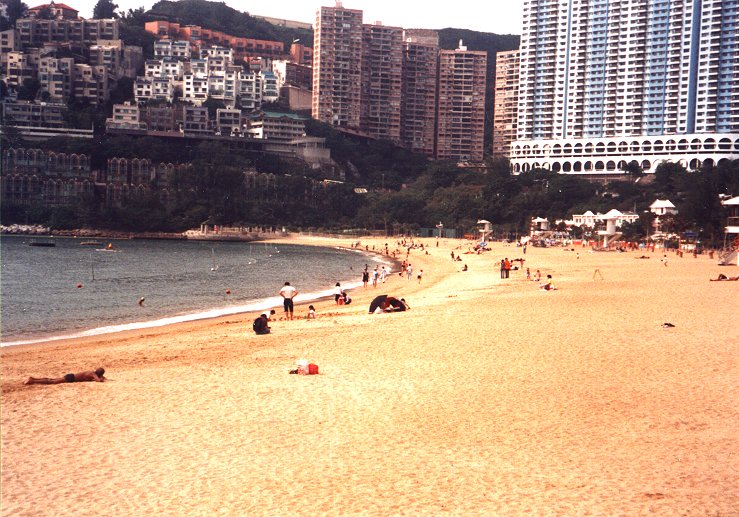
(219, 16)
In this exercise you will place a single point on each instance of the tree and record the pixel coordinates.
(666, 176)
(29, 89)
(45, 13)
(105, 9)
(14, 9)
(633, 169)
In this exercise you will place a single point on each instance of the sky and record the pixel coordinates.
(496, 16)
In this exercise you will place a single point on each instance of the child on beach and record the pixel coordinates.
(311, 312)
(548, 285)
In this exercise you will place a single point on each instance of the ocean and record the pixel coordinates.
(73, 290)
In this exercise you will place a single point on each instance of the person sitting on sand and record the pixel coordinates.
(723, 278)
(261, 324)
(548, 285)
(96, 376)
(311, 312)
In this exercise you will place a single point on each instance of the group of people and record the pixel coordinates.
(375, 275)
(340, 295)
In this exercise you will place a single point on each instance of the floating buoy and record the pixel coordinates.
(228, 291)
(79, 286)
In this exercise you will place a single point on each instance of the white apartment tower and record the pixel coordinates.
(604, 83)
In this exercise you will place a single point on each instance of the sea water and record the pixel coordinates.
(75, 290)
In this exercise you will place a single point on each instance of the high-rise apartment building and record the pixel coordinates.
(606, 83)
(418, 97)
(382, 60)
(337, 67)
(505, 117)
(460, 111)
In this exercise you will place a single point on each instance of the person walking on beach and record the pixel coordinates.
(420, 275)
(409, 271)
(375, 274)
(502, 268)
(96, 376)
(288, 292)
(383, 274)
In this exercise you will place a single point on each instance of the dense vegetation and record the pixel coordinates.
(405, 191)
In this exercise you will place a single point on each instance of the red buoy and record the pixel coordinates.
(79, 286)
(228, 291)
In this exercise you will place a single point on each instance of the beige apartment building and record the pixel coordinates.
(418, 97)
(461, 105)
(382, 63)
(337, 69)
(78, 33)
(505, 114)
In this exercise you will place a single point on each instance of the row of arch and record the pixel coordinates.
(44, 160)
(610, 166)
(697, 144)
(52, 191)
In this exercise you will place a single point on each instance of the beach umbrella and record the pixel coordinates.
(377, 302)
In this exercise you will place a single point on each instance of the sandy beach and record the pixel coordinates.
(489, 397)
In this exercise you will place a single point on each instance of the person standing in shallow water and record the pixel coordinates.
(288, 292)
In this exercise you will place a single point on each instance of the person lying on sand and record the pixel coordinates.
(721, 278)
(96, 376)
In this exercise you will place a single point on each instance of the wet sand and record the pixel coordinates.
(488, 397)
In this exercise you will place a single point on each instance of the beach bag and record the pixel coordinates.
(312, 369)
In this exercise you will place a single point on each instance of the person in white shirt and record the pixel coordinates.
(288, 292)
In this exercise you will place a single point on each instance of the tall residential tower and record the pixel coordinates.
(604, 83)
(505, 117)
(337, 66)
(418, 99)
(460, 114)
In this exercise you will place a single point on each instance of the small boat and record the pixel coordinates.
(109, 247)
(43, 244)
(215, 266)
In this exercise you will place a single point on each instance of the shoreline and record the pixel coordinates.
(488, 397)
(249, 307)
